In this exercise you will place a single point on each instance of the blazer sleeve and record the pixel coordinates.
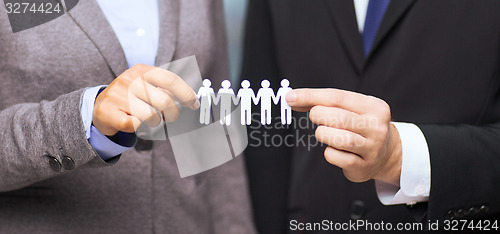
(465, 170)
(33, 134)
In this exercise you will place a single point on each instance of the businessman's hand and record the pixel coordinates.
(137, 95)
(357, 129)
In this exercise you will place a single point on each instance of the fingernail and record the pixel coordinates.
(291, 97)
(197, 104)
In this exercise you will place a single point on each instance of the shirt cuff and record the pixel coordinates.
(415, 180)
(106, 148)
(87, 108)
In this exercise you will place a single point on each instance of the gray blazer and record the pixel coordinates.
(43, 73)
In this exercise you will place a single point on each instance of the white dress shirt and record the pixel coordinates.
(136, 25)
(415, 180)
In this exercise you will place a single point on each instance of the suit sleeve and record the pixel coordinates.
(465, 170)
(35, 136)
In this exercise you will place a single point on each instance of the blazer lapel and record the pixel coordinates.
(344, 20)
(169, 25)
(89, 17)
(395, 11)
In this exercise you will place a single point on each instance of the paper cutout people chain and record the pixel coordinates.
(225, 98)
(286, 110)
(264, 95)
(225, 95)
(207, 94)
(246, 96)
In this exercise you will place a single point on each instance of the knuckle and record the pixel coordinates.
(124, 124)
(304, 95)
(124, 80)
(385, 110)
(336, 98)
(112, 93)
(381, 131)
(350, 142)
(361, 142)
(344, 120)
(381, 106)
(370, 122)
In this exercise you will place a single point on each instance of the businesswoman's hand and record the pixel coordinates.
(357, 129)
(138, 95)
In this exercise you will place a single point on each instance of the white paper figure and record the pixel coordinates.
(246, 96)
(206, 93)
(225, 95)
(286, 110)
(264, 95)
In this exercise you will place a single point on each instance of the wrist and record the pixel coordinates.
(391, 172)
(99, 116)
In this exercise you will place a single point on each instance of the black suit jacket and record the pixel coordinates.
(436, 63)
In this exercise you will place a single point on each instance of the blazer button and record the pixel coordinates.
(357, 210)
(67, 162)
(460, 213)
(473, 211)
(484, 209)
(449, 215)
(143, 145)
(54, 164)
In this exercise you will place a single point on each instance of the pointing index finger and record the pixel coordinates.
(172, 83)
(305, 99)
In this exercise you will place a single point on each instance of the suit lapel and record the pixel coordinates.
(343, 16)
(169, 12)
(89, 17)
(395, 11)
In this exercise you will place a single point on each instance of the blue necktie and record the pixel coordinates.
(374, 16)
